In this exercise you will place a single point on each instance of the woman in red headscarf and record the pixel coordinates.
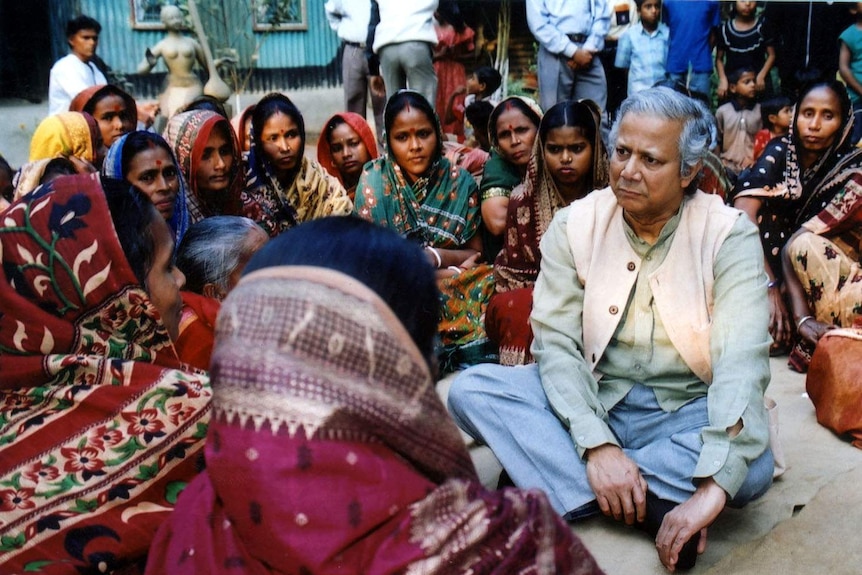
(346, 145)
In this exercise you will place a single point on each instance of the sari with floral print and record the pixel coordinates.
(100, 428)
(792, 195)
(440, 210)
(330, 452)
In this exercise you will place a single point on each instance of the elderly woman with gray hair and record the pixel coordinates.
(212, 256)
(646, 399)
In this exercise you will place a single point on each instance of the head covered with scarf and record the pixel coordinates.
(533, 204)
(385, 194)
(88, 100)
(188, 134)
(792, 194)
(334, 338)
(67, 134)
(91, 392)
(279, 201)
(120, 156)
(358, 124)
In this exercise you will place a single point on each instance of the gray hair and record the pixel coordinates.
(211, 249)
(697, 122)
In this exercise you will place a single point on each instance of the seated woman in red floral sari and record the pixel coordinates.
(330, 451)
(99, 426)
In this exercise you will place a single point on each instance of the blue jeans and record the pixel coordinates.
(507, 409)
(697, 81)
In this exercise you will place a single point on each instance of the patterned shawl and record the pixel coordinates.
(98, 427)
(312, 194)
(188, 133)
(29, 177)
(791, 196)
(66, 134)
(237, 124)
(113, 168)
(360, 126)
(532, 206)
(330, 452)
(440, 209)
(80, 102)
(778, 175)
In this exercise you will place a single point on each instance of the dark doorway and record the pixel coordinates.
(25, 52)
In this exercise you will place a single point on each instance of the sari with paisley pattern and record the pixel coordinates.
(188, 134)
(531, 208)
(100, 428)
(330, 452)
(313, 193)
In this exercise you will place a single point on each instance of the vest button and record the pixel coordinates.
(614, 310)
(631, 266)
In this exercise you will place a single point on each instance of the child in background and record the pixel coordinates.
(480, 87)
(643, 48)
(776, 115)
(742, 43)
(850, 67)
(738, 121)
(478, 113)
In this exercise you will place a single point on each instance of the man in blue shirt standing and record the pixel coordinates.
(570, 35)
(692, 36)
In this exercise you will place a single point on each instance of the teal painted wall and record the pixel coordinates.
(290, 58)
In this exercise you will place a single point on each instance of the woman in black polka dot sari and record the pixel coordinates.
(795, 178)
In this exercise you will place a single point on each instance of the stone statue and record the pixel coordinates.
(180, 54)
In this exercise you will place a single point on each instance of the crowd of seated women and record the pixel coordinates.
(131, 350)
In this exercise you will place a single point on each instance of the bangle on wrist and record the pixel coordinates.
(436, 256)
(773, 284)
(802, 320)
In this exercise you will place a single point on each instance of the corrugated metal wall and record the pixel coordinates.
(288, 59)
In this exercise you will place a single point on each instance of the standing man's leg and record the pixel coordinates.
(554, 79)
(378, 104)
(591, 83)
(391, 68)
(354, 73)
(417, 61)
(506, 408)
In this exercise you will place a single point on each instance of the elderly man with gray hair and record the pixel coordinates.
(650, 337)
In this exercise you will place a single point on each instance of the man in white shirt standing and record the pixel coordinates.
(403, 37)
(349, 19)
(76, 71)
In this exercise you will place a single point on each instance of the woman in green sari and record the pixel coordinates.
(414, 190)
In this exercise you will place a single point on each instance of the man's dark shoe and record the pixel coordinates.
(656, 509)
